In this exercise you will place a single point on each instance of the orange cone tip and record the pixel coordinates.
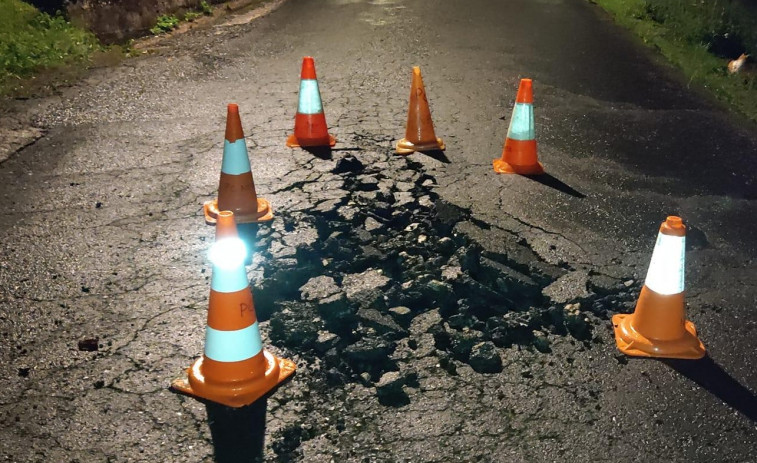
(308, 68)
(226, 226)
(525, 92)
(233, 124)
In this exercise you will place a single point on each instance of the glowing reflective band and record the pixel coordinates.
(665, 275)
(310, 97)
(522, 122)
(235, 160)
(232, 346)
(227, 256)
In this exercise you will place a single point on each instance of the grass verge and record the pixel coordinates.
(700, 37)
(31, 41)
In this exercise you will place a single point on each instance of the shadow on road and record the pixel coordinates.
(710, 376)
(238, 433)
(438, 155)
(247, 233)
(552, 182)
(321, 152)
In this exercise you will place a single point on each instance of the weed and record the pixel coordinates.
(206, 8)
(166, 23)
(190, 16)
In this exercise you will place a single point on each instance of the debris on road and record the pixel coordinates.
(89, 344)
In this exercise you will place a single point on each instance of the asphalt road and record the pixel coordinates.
(103, 236)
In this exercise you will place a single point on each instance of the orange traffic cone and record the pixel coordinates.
(236, 189)
(310, 128)
(235, 370)
(658, 327)
(519, 153)
(226, 226)
(419, 132)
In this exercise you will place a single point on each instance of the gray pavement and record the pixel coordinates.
(436, 311)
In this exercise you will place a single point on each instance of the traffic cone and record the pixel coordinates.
(235, 370)
(419, 132)
(226, 226)
(309, 123)
(658, 327)
(519, 153)
(236, 189)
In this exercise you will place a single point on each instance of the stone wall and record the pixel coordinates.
(116, 21)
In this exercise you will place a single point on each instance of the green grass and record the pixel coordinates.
(31, 41)
(700, 37)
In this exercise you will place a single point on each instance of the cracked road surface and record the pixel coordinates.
(436, 311)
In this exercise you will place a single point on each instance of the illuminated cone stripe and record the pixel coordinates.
(310, 128)
(235, 159)
(519, 155)
(658, 326)
(522, 122)
(310, 97)
(233, 346)
(665, 275)
(236, 188)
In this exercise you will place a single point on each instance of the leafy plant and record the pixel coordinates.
(191, 16)
(166, 23)
(206, 8)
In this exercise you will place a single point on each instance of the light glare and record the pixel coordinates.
(227, 253)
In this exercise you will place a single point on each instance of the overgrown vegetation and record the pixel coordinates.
(190, 16)
(31, 40)
(205, 10)
(166, 23)
(700, 37)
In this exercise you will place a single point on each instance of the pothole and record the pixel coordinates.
(380, 274)
(384, 261)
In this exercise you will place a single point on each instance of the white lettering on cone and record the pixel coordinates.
(665, 275)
